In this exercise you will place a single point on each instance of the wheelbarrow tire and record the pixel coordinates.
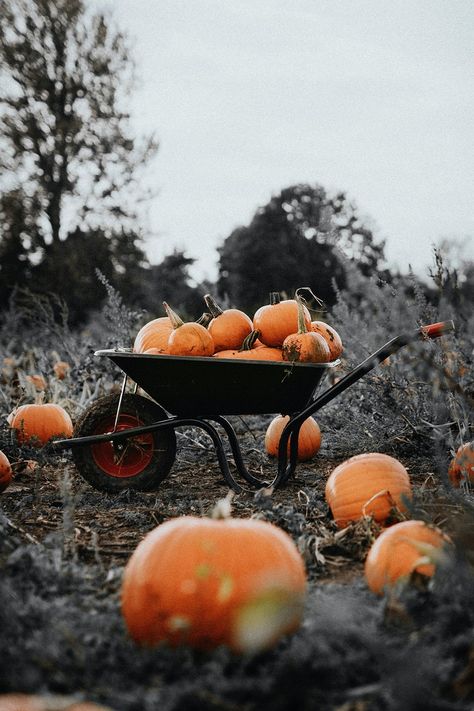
(141, 462)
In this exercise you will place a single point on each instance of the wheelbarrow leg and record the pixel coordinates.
(285, 469)
(237, 453)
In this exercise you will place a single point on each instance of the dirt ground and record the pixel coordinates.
(64, 545)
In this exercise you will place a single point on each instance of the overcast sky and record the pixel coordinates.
(374, 97)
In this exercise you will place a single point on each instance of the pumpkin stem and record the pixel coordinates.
(176, 322)
(301, 322)
(213, 306)
(319, 301)
(223, 509)
(39, 398)
(205, 319)
(248, 342)
(275, 298)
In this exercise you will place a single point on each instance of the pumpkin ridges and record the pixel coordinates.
(192, 566)
(228, 328)
(38, 423)
(354, 482)
(309, 437)
(188, 339)
(393, 555)
(331, 337)
(154, 334)
(278, 319)
(305, 346)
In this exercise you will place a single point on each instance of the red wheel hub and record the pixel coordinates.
(127, 457)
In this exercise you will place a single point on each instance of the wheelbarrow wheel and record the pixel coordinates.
(140, 462)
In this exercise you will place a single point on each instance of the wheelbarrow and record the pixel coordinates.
(128, 440)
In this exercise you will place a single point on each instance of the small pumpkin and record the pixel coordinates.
(309, 437)
(38, 423)
(203, 582)
(61, 369)
(370, 484)
(154, 334)
(36, 702)
(228, 328)
(403, 549)
(278, 319)
(6, 473)
(188, 339)
(38, 381)
(305, 346)
(331, 337)
(461, 467)
(248, 351)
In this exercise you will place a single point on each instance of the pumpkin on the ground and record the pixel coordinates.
(6, 473)
(309, 437)
(37, 702)
(461, 467)
(38, 423)
(370, 484)
(203, 582)
(400, 551)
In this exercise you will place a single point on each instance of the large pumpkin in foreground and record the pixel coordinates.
(400, 551)
(38, 424)
(204, 583)
(367, 485)
(309, 437)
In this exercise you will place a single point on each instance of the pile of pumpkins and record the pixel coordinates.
(280, 331)
(205, 582)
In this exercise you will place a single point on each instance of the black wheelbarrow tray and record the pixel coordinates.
(128, 440)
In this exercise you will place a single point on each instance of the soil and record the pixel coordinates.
(63, 555)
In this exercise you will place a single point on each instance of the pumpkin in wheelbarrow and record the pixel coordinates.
(203, 582)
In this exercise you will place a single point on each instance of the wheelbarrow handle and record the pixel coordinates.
(430, 331)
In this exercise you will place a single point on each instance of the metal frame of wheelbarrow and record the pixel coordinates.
(288, 395)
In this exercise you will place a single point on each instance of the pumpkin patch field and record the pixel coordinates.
(348, 588)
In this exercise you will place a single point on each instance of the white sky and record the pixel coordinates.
(374, 97)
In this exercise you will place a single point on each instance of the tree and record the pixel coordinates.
(298, 239)
(170, 281)
(68, 155)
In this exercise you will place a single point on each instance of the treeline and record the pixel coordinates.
(74, 187)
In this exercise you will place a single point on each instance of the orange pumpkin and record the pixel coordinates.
(6, 473)
(367, 485)
(37, 424)
(228, 328)
(309, 437)
(249, 351)
(305, 346)
(188, 339)
(35, 702)
(154, 334)
(401, 550)
(331, 337)
(38, 381)
(61, 369)
(204, 583)
(278, 319)
(461, 467)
